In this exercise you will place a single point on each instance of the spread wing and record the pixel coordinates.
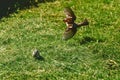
(69, 13)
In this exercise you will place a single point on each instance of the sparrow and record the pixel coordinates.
(37, 55)
(71, 29)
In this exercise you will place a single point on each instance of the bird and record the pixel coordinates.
(71, 29)
(37, 55)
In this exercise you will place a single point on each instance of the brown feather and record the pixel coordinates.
(69, 13)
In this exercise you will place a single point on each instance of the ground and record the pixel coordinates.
(92, 54)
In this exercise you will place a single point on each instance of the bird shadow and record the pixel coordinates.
(88, 39)
(40, 58)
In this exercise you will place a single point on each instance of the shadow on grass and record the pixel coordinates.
(87, 39)
(8, 7)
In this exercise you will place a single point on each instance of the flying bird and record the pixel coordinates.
(71, 29)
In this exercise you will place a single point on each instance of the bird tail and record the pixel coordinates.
(84, 23)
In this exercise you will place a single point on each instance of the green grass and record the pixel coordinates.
(87, 56)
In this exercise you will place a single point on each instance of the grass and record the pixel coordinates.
(92, 54)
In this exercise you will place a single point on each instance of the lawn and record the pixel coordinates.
(92, 54)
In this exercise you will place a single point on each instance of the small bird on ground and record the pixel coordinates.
(71, 25)
(37, 55)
